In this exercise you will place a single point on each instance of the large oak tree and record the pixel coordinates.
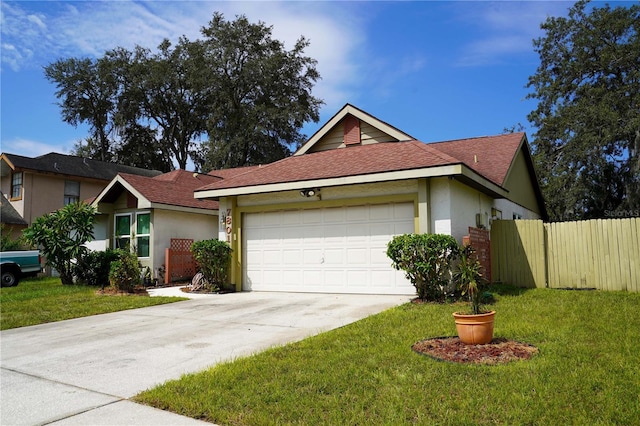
(587, 144)
(235, 97)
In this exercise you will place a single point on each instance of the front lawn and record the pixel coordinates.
(587, 370)
(41, 300)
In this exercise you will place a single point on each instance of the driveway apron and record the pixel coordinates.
(82, 371)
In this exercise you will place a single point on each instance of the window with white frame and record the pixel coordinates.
(16, 185)
(143, 233)
(71, 192)
(122, 232)
(140, 230)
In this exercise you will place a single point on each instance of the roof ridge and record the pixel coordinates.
(433, 150)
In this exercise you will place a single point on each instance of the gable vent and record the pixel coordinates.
(351, 130)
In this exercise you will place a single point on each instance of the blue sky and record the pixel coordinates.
(436, 70)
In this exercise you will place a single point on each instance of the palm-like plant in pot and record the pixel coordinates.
(476, 326)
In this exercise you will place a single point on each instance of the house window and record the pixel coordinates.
(71, 192)
(122, 238)
(16, 185)
(143, 232)
(140, 232)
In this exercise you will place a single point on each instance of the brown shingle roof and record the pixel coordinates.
(174, 188)
(495, 155)
(491, 156)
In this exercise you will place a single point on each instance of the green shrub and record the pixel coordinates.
(124, 273)
(93, 268)
(213, 258)
(426, 261)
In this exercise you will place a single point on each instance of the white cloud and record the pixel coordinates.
(503, 28)
(31, 148)
(40, 35)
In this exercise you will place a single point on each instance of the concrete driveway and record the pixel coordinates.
(82, 371)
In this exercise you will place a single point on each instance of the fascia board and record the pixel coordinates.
(211, 212)
(449, 170)
(142, 201)
(483, 182)
(362, 116)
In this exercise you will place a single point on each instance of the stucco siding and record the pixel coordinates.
(332, 193)
(440, 206)
(42, 194)
(511, 210)
(167, 224)
(466, 204)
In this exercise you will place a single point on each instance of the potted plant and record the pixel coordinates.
(474, 327)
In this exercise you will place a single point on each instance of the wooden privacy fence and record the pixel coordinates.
(601, 253)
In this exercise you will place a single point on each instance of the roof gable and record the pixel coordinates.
(336, 133)
(174, 188)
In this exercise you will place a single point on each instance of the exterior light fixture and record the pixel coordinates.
(311, 192)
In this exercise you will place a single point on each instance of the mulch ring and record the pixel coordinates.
(114, 291)
(499, 351)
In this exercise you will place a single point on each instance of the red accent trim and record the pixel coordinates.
(351, 130)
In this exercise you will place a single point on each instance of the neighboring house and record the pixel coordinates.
(320, 220)
(40, 185)
(11, 220)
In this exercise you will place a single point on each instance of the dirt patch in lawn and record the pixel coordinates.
(451, 349)
(113, 291)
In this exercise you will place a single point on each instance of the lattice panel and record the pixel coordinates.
(181, 244)
(179, 261)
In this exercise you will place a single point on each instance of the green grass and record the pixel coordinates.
(41, 300)
(586, 372)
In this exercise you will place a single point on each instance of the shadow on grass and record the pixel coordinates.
(507, 289)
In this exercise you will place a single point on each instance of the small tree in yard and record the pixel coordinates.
(213, 258)
(61, 236)
(426, 260)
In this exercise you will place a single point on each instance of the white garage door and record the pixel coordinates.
(330, 250)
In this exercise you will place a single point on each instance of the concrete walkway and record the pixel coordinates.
(82, 371)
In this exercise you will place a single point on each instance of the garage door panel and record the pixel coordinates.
(311, 217)
(357, 256)
(334, 257)
(312, 277)
(335, 215)
(272, 257)
(290, 218)
(357, 213)
(291, 277)
(340, 249)
(292, 257)
(357, 278)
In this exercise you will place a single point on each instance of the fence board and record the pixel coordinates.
(602, 254)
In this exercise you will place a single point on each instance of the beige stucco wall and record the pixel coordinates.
(466, 203)
(43, 194)
(167, 224)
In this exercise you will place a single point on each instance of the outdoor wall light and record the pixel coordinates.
(311, 192)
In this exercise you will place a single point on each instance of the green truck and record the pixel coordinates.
(14, 265)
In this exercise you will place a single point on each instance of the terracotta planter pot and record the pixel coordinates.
(475, 329)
